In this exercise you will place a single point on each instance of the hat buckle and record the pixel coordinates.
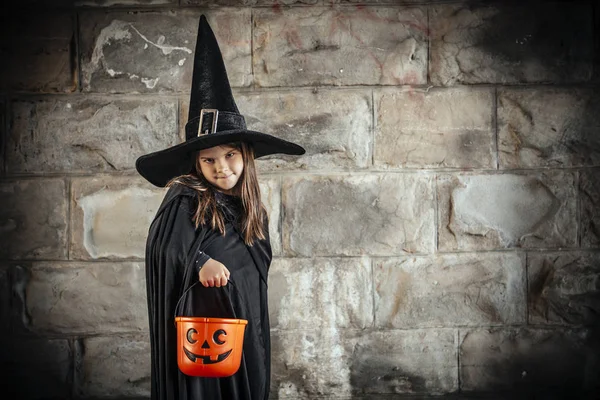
(213, 128)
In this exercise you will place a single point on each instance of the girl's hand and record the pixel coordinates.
(213, 273)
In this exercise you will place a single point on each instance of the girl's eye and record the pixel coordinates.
(229, 155)
(208, 160)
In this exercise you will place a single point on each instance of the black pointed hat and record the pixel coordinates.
(213, 119)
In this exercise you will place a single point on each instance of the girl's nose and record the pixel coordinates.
(221, 165)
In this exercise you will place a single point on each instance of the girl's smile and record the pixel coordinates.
(222, 166)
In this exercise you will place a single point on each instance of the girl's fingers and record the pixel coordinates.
(224, 280)
(211, 282)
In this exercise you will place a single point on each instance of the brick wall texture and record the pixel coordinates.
(441, 235)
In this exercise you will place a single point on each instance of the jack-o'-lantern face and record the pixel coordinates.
(210, 353)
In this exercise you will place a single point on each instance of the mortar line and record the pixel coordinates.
(495, 122)
(69, 187)
(373, 121)
(374, 324)
(458, 360)
(428, 76)
(436, 222)
(252, 49)
(281, 215)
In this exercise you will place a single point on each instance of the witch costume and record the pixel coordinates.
(176, 249)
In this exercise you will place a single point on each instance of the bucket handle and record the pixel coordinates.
(229, 281)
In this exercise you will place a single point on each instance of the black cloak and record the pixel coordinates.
(175, 250)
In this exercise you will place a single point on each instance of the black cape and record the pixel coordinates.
(173, 251)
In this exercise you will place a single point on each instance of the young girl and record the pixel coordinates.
(211, 227)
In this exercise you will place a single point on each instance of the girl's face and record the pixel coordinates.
(222, 166)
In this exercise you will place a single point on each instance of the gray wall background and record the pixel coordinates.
(440, 236)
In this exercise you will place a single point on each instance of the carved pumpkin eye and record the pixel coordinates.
(204, 353)
(218, 333)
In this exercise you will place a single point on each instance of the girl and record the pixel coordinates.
(211, 228)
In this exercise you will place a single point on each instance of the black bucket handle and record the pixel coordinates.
(229, 282)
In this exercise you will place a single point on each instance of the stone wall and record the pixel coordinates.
(439, 237)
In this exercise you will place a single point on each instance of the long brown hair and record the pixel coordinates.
(247, 188)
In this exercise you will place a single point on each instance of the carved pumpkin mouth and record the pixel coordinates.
(206, 359)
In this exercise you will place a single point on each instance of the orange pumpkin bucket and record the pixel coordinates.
(209, 347)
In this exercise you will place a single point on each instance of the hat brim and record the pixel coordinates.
(162, 166)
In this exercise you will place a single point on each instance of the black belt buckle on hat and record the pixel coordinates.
(213, 129)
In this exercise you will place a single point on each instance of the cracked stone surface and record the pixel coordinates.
(357, 215)
(450, 290)
(340, 46)
(333, 126)
(510, 43)
(548, 128)
(28, 230)
(47, 377)
(306, 363)
(41, 52)
(320, 293)
(589, 192)
(88, 134)
(563, 288)
(526, 360)
(450, 128)
(324, 363)
(479, 212)
(115, 366)
(86, 298)
(111, 216)
(153, 51)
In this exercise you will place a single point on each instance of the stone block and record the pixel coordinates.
(309, 364)
(377, 214)
(36, 368)
(114, 366)
(323, 363)
(563, 288)
(536, 210)
(314, 46)
(153, 51)
(110, 216)
(41, 50)
(88, 134)
(86, 298)
(333, 126)
(450, 290)
(589, 193)
(33, 219)
(548, 128)
(451, 128)
(405, 362)
(563, 363)
(510, 43)
(321, 293)
(270, 190)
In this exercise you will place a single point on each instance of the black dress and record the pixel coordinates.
(174, 252)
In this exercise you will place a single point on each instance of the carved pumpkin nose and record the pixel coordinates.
(205, 345)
